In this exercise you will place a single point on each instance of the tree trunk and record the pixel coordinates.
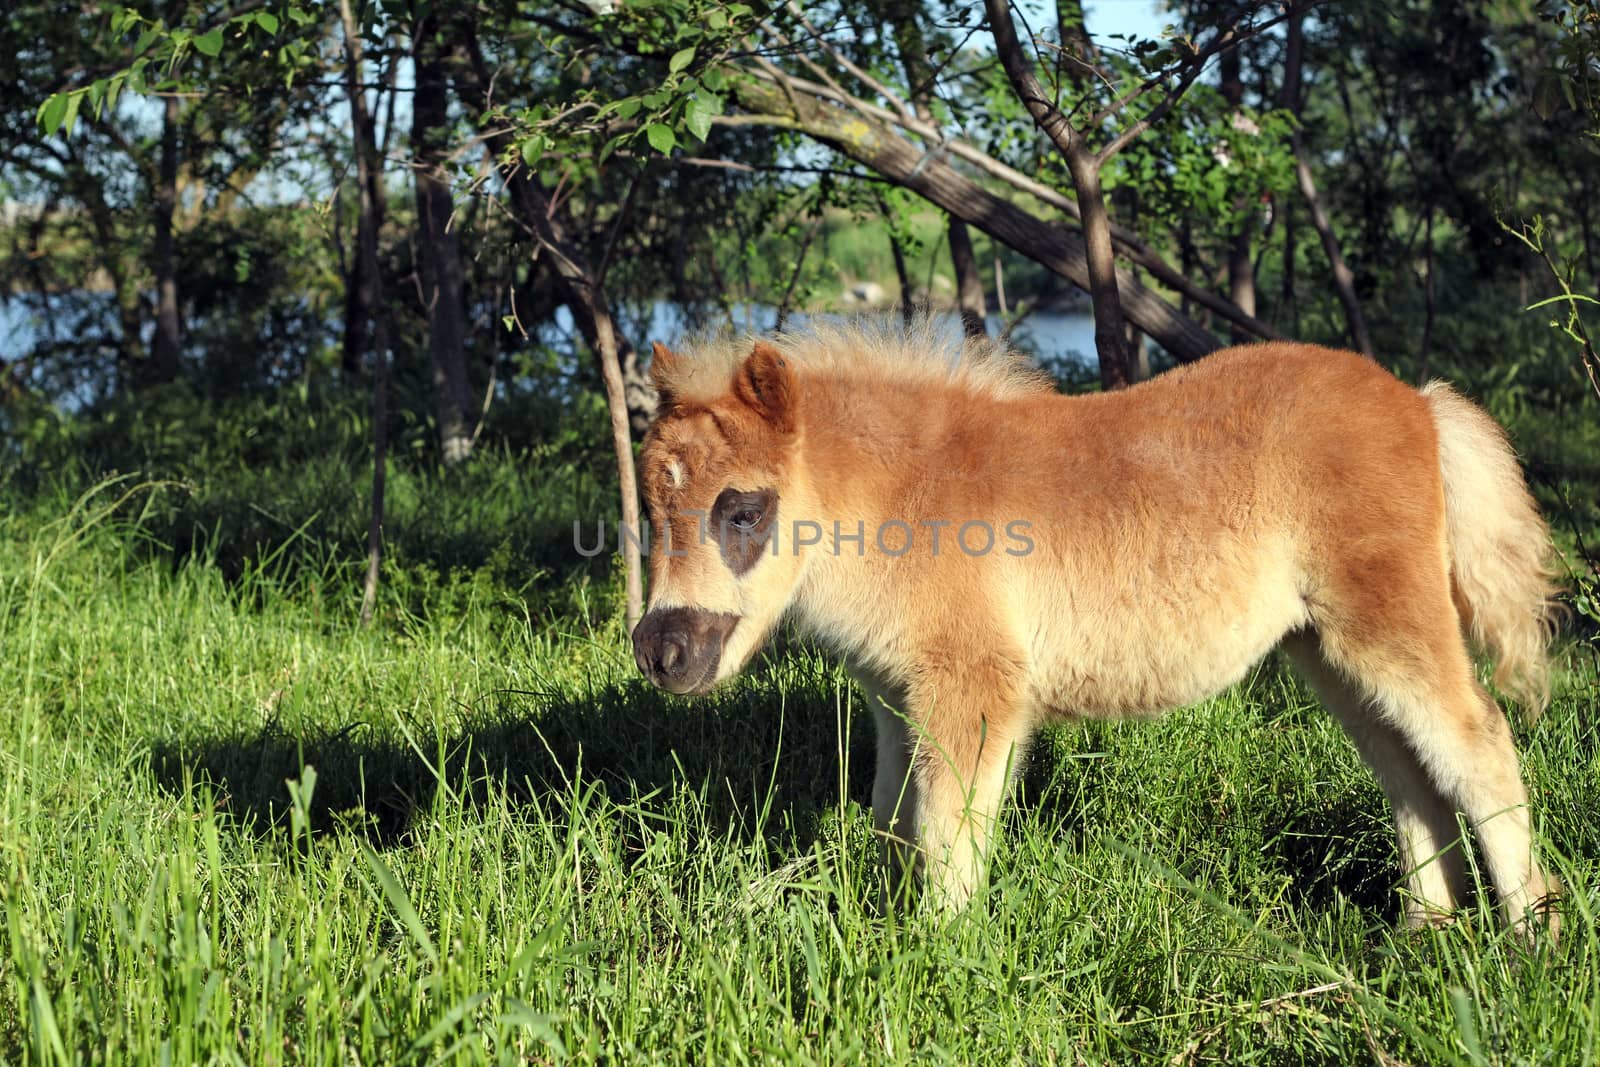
(908, 303)
(1344, 282)
(1000, 284)
(583, 293)
(1288, 305)
(369, 183)
(168, 344)
(1116, 365)
(438, 250)
(355, 340)
(1241, 268)
(1116, 362)
(910, 42)
(1289, 100)
(593, 314)
(969, 284)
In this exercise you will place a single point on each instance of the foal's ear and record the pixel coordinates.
(766, 383)
(664, 364)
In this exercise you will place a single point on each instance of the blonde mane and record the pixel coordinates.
(862, 349)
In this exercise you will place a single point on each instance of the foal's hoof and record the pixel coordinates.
(1542, 922)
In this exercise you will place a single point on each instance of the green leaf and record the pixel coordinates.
(209, 43)
(267, 21)
(52, 111)
(74, 101)
(697, 119)
(661, 138)
(680, 59)
(699, 111)
(533, 148)
(1547, 95)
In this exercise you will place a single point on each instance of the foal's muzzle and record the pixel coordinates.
(678, 649)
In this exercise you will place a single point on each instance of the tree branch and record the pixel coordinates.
(1130, 244)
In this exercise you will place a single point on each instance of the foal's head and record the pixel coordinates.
(718, 470)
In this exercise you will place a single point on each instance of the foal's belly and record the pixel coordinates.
(1111, 654)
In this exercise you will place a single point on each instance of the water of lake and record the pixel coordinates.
(1058, 339)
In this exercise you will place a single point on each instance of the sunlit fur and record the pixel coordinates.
(1269, 496)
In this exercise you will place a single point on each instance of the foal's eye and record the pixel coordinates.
(745, 518)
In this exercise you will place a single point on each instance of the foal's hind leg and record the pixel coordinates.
(1418, 672)
(1425, 823)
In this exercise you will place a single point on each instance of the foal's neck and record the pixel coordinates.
(866, 439)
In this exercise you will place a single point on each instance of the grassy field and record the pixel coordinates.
(239, 828)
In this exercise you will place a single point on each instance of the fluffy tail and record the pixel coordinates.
(1502, 563)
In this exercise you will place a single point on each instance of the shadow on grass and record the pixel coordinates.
(757, 747)
(1342, 847)
(745, 751)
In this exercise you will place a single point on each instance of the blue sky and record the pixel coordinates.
(1142, 18)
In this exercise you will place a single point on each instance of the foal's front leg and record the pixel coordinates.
(970, 729)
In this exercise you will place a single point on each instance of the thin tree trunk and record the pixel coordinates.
(910, 42)
(1116, 366)
(582, 292)
(786, 304)
(356, 339)
(969, 284)
(168, 344)
(1000, 284)
(1241, 268)
(1344, 282)
(368, 180)
(438, 249)
(1288, 303)
(1116, 362)
(593, 313)
(902, 273)
(1241, 280)
(1289, 100)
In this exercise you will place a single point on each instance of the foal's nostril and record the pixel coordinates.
(674, 650)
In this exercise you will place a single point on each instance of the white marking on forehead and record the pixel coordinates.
(674, 473)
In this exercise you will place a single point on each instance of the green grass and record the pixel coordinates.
(237, 827)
